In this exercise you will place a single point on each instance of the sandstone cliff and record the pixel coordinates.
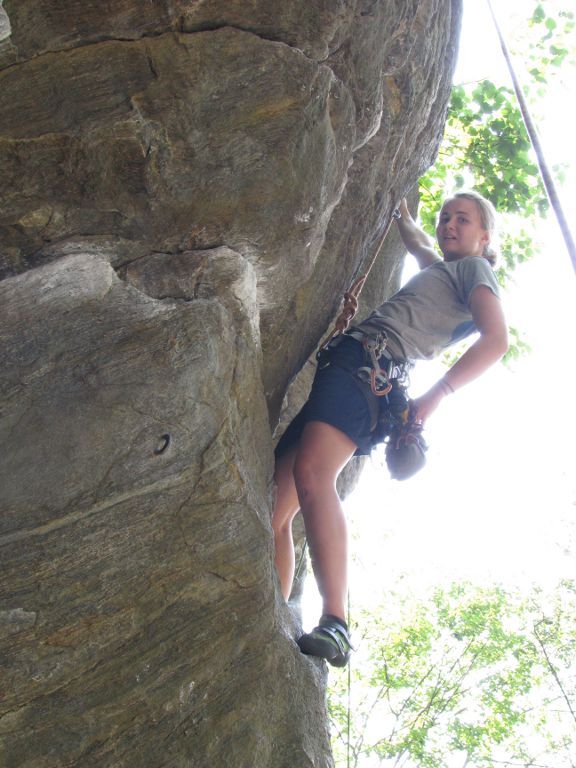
(187, 188)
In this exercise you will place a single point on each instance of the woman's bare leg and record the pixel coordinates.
(285, 508)
(322, 453)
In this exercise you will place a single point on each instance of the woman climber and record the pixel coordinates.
(446, 301)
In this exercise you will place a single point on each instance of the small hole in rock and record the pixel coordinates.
(162, 445)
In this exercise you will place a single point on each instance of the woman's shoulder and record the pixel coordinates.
(474, 263)
(476, 270)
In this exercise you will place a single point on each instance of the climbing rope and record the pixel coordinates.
(545, 173)
(352, 294)
(349, 686)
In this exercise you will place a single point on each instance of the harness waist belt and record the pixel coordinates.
(400, 367)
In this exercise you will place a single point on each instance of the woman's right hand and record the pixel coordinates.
(415, 239)
(403, 208)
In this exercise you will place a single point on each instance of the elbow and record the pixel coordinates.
(501, 343)
(496, 344)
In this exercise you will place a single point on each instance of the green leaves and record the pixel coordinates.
(546, 28)
(485, 146)
(539, 15)
(468, 676)
(518, 346)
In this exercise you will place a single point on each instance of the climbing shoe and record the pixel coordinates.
(329, 640)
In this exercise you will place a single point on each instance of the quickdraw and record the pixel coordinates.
(378, 379)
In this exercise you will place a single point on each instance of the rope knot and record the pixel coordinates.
(351, 298)
(348, 311)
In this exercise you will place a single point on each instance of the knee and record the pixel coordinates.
(311, 480)
(281, 525)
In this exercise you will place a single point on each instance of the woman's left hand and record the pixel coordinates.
(425, 405)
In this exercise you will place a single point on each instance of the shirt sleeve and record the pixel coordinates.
(475, 271)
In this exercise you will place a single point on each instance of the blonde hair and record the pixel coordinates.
(488, 219)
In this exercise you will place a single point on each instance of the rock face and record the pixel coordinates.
(187, 189)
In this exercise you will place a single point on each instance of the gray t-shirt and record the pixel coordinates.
(431, 311)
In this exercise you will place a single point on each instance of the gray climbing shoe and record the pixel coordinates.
(329, 640)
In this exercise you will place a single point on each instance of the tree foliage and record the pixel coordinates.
(486, 143)
(471, 677)
(550, 43)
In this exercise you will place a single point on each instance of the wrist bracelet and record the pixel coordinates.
(448, 388)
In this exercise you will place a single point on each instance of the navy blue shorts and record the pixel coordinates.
(337, 400)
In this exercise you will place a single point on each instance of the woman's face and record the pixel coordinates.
(460, 232)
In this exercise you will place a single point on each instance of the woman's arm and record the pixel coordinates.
(415, 239)
(487, 349)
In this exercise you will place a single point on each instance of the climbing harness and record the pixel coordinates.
(373, 380)
(372, 377)
(392, 418)
(378, 379)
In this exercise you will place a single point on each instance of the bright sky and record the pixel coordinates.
(497, 499)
